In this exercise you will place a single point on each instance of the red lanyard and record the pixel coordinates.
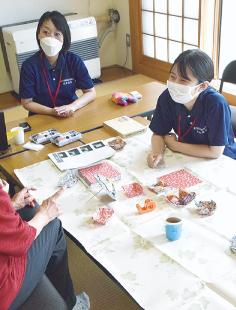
(53, 97)
(187, 131)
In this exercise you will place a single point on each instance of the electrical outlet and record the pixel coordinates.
(127, 39)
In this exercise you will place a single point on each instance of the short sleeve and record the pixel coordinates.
(161, 123)
(83, 79)
(218, 121)
(27, 82)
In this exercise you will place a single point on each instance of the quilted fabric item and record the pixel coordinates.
(104, 169)
(132, 190)
(233, 244)
(149, 205)
(117, 144)
(102, 215)
(182, 199)
(206, 208)
(179, 179)
(123, 98)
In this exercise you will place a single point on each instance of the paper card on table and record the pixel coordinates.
(180, 179)
(103, 169)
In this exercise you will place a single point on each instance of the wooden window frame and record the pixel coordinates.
(158, 69)
(149, 66)
(216, 37)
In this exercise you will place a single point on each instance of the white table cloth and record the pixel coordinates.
(194, 273)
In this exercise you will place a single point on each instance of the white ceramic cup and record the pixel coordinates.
(19, 138)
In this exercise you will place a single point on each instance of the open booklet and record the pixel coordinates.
(82, 156)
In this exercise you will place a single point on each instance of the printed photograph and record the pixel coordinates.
(86, 148)
(74, 152)
(62, 155)
(98, 145)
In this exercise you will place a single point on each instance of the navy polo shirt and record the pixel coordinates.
(209, 121)
(74, 75)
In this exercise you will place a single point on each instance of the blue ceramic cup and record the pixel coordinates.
(173, 228)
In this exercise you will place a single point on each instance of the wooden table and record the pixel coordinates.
(93, 115)
(23, 159)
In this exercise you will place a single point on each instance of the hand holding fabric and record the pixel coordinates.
(153, 160)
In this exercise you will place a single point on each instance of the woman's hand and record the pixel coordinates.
(47, 212)
(50, 209)
(23, 198)
(64, 110)
(171, 141)
(154, 160)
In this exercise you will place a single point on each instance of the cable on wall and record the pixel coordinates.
(113, 19)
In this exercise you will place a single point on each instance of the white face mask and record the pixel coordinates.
(51, 46)
(181, 93)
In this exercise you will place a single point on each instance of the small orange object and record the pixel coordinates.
(182, 194)
(149, 205)
(172, 198)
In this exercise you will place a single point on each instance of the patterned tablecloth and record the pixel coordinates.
(194, 273)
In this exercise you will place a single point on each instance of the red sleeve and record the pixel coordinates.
(16, 235)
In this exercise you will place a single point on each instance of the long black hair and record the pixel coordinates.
(198, 62)
(60, 23)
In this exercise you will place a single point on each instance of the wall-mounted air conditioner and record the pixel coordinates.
(20, 42)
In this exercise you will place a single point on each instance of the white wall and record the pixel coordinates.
(113, 49)
(20, 10)
(123, 27)
(108, 54)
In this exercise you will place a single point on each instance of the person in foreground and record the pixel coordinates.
(191, 117)
(49, 79)
(30, 249)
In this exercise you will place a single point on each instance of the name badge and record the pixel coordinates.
(67, 81)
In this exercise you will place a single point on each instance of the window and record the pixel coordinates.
(227, 51)
(162, 29)
(169, 27)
